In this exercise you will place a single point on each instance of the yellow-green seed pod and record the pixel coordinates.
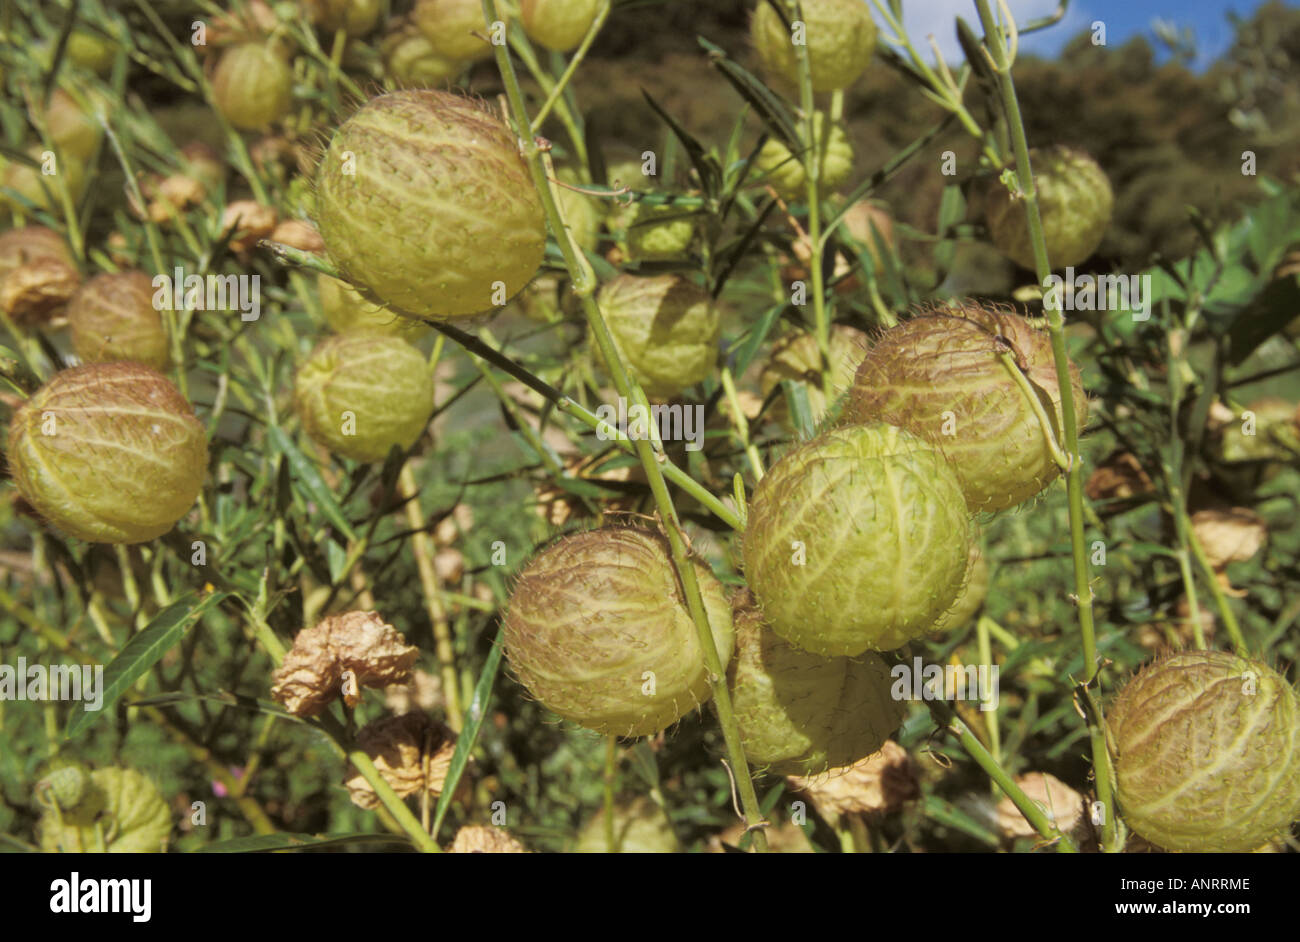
(346, 310)
(74, 133)
(582, 214)
(659, 233)
(974, 590)
(424, 199)
(800, 713)
(942, 377)
(455, 28)
(112, 317)
(127, 816)
(665, 328)
(598, 630)
(856, 541)
(796, 357)
(359, 394)
(1206, 752)
(42, 185)
(1075, 202)
(558, 24)
(108, 453)
(410, 59)
(640, 827)
(786, 172)
(354, 17)
(91, 51)
(840, 36)
(252, 86)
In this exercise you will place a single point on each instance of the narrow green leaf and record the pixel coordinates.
(473, 720)
(306, 474)
(263, 843)
(796, 395)
(704, 163)
(757, 334)
(141, 653)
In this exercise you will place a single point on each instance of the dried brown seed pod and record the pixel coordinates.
(411, 751)
(373, 653)
(481, 839)
(1061, 803)
(112, 317)
(1229, 536)
(248, 222)
(32, 293)
(881, 783)
(796, 357)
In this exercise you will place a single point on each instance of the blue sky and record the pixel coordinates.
(1123, 19)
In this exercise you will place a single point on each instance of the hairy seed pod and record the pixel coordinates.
(413, 156)
(659, 233)
(1075, 201)
(857, 540)
(558, 24)
(598, 630)
(37, 274)
(346, 311)
(451, 25)
(409, 58)
(581, 213)
(108, 453)
(1207, 756)
(800, 713)
(974, 589)
(359, 394)
(785, 171)
(796, 357)
(840, 36)
(64, 783)
(640, 827)
(252, 86)
(941, 377)
(112, 317)
(665, 328)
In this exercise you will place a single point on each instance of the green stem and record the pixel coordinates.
(645, 451)
(572, 68)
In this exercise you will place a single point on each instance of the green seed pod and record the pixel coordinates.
(598, 630)
(112, 317)
(940, 376)
(133, 818)
(581, 213)
(74, 133)
(410, 60)
(91, 51)
(659, 233)
(1074, 199)
(665, 328)
(410, 157)
(359, 394)
(65, 783)
(796, 357)
(108, 453)
(1206, 752)
(354, 17)
(857, 540)
(42, 187)
(800, 713)
(451, 26)
(840, 35)
(346, 310)
(786, 172)
(558, 24)
(252, 86)
(640, 827)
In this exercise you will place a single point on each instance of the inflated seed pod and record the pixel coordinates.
(252, 86)
(973, 591)
(941, 376)
(796, 357)
(659, 233)
(359, 394)
(424, 198)
(354, 17)
(456, 28)
(598, 630)
(785, 171)
(346, 310)
(43, 184)
(640, 827)
(800, 713)
(74, 133)
(37, 274)
(410, 59)
(1206, 748)
(558, 24)
(665, 328)
(840, 36)
(857, 540)
(1075, 202)
(127, 815)
(108, 453)
(112, 317)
